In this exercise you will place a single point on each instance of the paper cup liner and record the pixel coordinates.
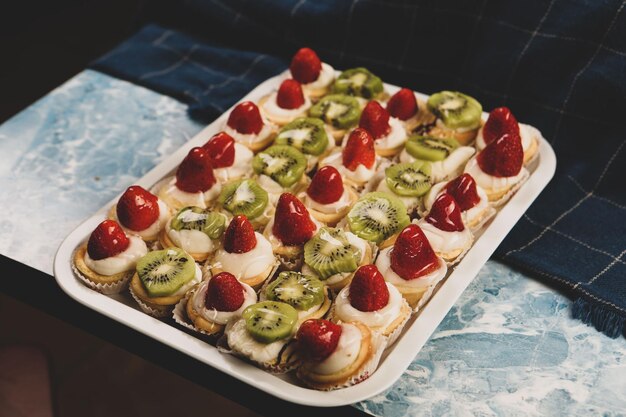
(149, 310)
(393, 336)
(108, 288)
(502, 200)
(425, 297)
(461, 255)
(488, 215)
(179, 314)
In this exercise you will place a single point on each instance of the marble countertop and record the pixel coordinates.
(507, 348)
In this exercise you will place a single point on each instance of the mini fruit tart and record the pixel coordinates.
(218, 300)
(340, 113)
(388, 132)
(247, 127)
(247, 197)
(337, 355)
(264, 336)
(194, 183)
(502, 121)
(408, 181)
(333, 255)
(315, 76)
(280, 168)
(377, 217)
(230, 160)
(359, 82)
(195, 230)
(107, 262)
(413, 113)
(498, 168)
(458, 116)
(141, 213)
(309, 136)
(327, 199)
(246, 254)
(447, 158)
(412, 266)
(307, 294)
(471, 199)
(286, 104)
(162, 279)
(371, 300)
(444, 228)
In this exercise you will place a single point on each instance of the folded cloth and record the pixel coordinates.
(558, 66)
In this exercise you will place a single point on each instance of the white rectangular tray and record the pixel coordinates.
(123, 309)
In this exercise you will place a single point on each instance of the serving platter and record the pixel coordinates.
(395, 361)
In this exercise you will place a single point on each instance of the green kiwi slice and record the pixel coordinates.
(270, 321)
(377, 215)
(163, 272)
(306, 134)
(204, 220)
(358, 82)
(329, 252)
(429, 148)
(244, 197)
(456, 110)
(282, 163)
(296, 289)
(338, 110)
(410, 179)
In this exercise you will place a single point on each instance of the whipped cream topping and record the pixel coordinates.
(122, 262)
(344, 201)
(468, 215)
(274, 112)
(200, 199)
(448, 167)
(216, 316)
(241, 341)
(346, 352)
(326, 77)
(191, 241)
(409, 202)
(490, 182)
(247, 265)
(383, 263)
(378, 319)
(525, 131)
(197, 278)
(443, 241)
(249, 138)
(155, 227)
(242, 165)
(360, 175)
(274, 189)
(396, 136)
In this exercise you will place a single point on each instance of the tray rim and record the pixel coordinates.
(404, 350)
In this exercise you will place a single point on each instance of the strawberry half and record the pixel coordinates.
(239, 236)
(503, 157)
(402, 105)
(368, 290)
(224, 293)
(290, 95)
(221, 148)
(195, 173)
(137, 209)
(359, 150)
(318, 339)
(292, 223)
(246, 118)
(326, 186)
(108, 239)
(412, 256)
(445, 214)
(463, 189)
(305, 66)
(375, 119)
(500, 121)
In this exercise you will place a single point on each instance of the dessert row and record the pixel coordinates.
(304, 235)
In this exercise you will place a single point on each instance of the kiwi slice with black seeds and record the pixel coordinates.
(282, 163)
(329, 252)
(307, 134)
(409, 179)
(429, 148)
(377, 215)
(203, 220)
(358, 82)
(296, 289)
(456, 110)
(270, 321)
(244, 197)
(163, 272)
(338, 110)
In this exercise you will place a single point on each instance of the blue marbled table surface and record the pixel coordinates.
(507, 348)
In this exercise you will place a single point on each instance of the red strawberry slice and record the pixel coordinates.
(108, 239)
(326, 186)
(445, 214)
(246, 118)
(239, 236)
(292, 223)
(375, 119)
(195, 173)
(412, 256)
(290, 95)
(503, 157)
(221, 148)
(368, 290)
(403, 104)
(359, 150)
(137, 209)
(463, 189)
(318, 339)
(224, 293)
(500, 121)
(305, 66)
